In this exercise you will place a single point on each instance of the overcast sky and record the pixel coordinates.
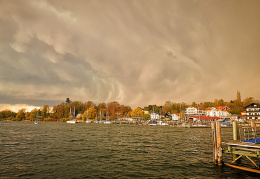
(136, 52)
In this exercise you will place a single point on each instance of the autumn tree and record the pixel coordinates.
(238, 102)
(91, 112)
(123, 110)
(20, 115)
(137, 112)
(167, 107)
(112, 109)
(7, 114)
(61, 111)
(89, 104)
(194, 104)
(248, 101)
(206, 104)
(33, 114)
(45, 111)
(219, 102)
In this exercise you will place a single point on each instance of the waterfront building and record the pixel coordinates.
(175, 117)
(253, 111)
(221, 111)
(195, 111)
(155, 116)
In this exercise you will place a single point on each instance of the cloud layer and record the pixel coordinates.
(135, 52)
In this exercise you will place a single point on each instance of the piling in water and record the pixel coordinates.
(216, 139)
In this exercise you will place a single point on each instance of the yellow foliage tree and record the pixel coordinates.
(137, 112)
(91, 114)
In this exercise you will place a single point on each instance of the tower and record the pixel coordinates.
(238, 96)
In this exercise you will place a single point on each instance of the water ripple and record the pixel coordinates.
(61, 150)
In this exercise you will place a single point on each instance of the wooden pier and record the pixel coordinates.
(245, 145)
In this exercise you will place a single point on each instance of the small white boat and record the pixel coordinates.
(162, 123)
(87, 121)
(107, 122)
(71, 122)
(152, 123)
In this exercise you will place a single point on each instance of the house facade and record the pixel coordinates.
(154, 116)
(221, 111)
(175, 117)
(194, 111)
(253, 111)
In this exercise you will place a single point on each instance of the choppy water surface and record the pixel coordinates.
(61, 150)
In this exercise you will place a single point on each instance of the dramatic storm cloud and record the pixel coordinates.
(136, 52)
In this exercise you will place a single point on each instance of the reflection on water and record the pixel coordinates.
(61, 150)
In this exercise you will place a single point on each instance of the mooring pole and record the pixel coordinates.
(214, 142)
(235, 130)
(235, 137)
(219, 143)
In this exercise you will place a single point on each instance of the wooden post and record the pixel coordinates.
(219, 142)
(214, 142)
(253, 128)
(235, 130)
(235, 137)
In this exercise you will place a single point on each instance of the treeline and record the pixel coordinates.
(115, 110)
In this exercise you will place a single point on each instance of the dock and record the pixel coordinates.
(245, 145)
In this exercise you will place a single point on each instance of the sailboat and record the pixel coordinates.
(87, 121)
(107, 120)
(96, 121)
(161, 123)
(36, 122)
(72, 121)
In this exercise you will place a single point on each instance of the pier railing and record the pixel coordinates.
(247, 133)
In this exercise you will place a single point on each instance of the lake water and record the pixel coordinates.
(61, 150)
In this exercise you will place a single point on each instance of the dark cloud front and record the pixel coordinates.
(135, 52)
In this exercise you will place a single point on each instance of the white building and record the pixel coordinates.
(194, 111)
(221, 111)
(175, 117)
(155, 116)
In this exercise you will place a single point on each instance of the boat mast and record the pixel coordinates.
(74, 113)
(87, 116)
(70, 113)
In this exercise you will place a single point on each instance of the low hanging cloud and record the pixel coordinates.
(134, 52)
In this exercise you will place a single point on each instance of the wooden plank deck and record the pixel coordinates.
(242, 144)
